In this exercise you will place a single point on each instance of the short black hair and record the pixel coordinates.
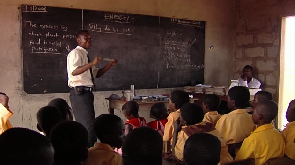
(248, 67)
(202, 148)
(264, 95)
(269, 110)
(81, 32)
(107, 124)
(179, 98)
(192, 113)
(142, 146)
(212, 101)
(70, 142)
(62, 105)
(240, 95)
(131, 108)
(25, 146)
(159, 111)
(48, 117)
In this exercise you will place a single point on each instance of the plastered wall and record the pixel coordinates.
(219, 17)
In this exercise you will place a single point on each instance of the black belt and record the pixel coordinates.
(83, 88)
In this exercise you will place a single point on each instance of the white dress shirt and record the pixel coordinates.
(254, 83)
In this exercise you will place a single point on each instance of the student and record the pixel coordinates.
(191, 116)
(289, 132)
(142, 146)
(237, 125)
(176, 100)
(160, 113)
(64, 107)
(70, 142)
(265, 142)
(247, 80)
(202, 149)
(81, 81)
(5, 113)
(259, 96)
(109, 130)
(24, 146)
(210, 104)
(47, 118)
(130, 111)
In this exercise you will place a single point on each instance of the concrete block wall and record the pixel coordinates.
(257, 39)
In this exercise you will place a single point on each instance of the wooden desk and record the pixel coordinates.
(143, 106)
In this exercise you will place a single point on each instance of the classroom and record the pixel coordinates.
(243, 32)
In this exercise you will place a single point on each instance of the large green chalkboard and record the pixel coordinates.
(153, 52)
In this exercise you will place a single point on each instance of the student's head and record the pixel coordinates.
(261, 95)
(211, 102)
(290, 114)
(159, 111)
(177, 99)
(238, 97)
(47, 118)
(265, 112)
(4, 99)
(142, 146)
(84, 39)
(130, 109)
(25, 146)
(191, 114)
(63, 106)
(202, 149)
(70, 142)
(109, 129)
(247, 71)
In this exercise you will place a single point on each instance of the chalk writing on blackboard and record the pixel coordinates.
(118, 18)
(30, 8)
(186, 22)
(110, 29)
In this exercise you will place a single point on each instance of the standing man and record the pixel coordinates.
(247, 80)
(81, 82)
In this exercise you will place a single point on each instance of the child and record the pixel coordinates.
(265, 142)
(130, 111)
(64, 107)
(259, 96)
(142, 146)
(47, 118)
(202, 149)
(210, 104)
(191, 116)
(25, 146)
(70, 142)
(237, 125)
(109, 130)
(5, 113)
(176, 100)
(289, 132)
(160, 113)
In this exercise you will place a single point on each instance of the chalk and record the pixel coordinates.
(107, 59)
(193, 42)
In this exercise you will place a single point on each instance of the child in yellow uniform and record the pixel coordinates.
(265, 142)
(210, 104)
(176, 100)
(191, 116)
(259, 96)
(5, 113)
(289, 132)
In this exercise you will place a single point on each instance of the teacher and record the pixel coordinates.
(81, 82)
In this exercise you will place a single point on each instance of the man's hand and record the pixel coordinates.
(114, 62)
(244, 77)
(96, 60)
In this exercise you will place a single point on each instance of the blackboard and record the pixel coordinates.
(153, 52)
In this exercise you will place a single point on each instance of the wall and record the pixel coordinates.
(217, 14)
(257, 39)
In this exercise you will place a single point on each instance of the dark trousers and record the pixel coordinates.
(83, 109)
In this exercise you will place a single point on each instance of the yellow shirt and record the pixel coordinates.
(5, 114)
(102, 154)
(182, 137)
(264, 143)
(169, 129)
(212, 117)
(289, 136)
(235, 126)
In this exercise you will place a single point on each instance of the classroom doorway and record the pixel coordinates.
(287, 69)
